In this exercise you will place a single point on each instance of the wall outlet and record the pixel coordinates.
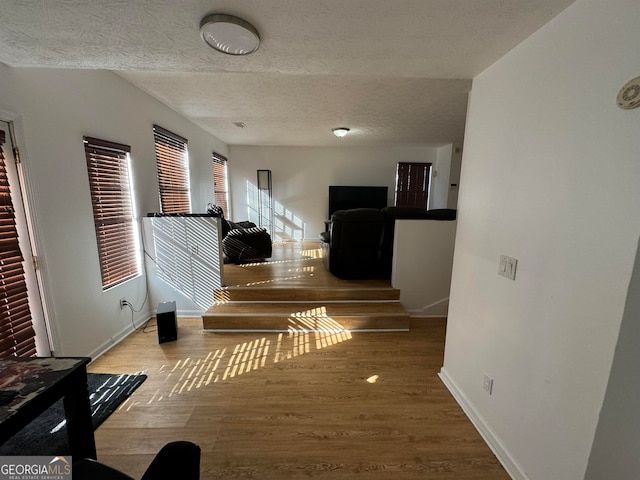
(507, 267)
(488, 384)
(123, 303)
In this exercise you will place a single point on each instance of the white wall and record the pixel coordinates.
(440, 183)
(617, 442)
(422, 262)
(447, 170)
(302, 175)
(550, 176)
(187, 264)
(56, 108)
(454, 176)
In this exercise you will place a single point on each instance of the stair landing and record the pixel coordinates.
(294, 292)
(306, 309)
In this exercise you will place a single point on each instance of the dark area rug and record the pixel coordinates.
(47, 434)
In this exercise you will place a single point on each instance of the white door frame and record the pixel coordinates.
(22, 197)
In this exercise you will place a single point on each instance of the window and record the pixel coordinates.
(116, 231)
(173, 171)
(412, 184)
(17, 337)
(221, 196)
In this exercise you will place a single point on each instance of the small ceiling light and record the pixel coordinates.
(340, 132)
(229, 34)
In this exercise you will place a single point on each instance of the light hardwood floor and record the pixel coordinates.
(294, 290)
(294, 405)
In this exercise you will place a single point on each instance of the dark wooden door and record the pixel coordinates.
(412, 184)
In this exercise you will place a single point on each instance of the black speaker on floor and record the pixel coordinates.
(167, 321)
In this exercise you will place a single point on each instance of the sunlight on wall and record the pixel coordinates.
(187, 255)
(286, 225)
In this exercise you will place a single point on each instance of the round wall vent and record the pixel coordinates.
(629, 95)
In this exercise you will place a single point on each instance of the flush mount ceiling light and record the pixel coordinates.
(229, 34)
(340, 132)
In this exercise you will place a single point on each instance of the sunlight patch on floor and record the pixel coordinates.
(313, 253)
(309, 331)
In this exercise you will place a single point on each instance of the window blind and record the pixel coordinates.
(110, 183)
(17, 337)
(173, 168)
(220, 193)
(412, 184)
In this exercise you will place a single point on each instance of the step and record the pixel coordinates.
(306, 309)
(304, 316)
(285, 294)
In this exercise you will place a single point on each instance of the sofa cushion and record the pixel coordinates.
(357, 215)
(441, 214)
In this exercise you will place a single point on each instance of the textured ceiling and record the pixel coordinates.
(393, 71)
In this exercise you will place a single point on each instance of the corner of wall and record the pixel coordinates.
(497, 447)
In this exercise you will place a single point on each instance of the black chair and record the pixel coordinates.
(351, 247)
(176, 460)
(246, 242)
(359, 242)
(242, 241)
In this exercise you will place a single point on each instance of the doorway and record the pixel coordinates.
(23, 328)
(412, 184)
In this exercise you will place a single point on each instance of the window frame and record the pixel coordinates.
(172, 163)
(112, 200)
(220, 161)
(17, 335)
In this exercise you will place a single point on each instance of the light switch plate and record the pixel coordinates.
(507, 267)
(488, 384)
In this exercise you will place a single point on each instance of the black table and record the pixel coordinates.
(28, 386)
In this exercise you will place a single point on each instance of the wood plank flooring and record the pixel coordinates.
(293, 290)
(296, 405)
(293, 264)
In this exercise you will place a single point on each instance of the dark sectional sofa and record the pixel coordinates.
(358, 243)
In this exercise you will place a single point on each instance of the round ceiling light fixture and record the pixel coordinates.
(340, 131)
(229, 34)
(629, 95)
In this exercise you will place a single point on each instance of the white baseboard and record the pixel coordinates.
(500, 451)
(139, 321)
(438, 309)
(419, 314)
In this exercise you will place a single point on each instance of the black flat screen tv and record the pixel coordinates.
(345, 197)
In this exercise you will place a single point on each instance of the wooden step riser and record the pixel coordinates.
(247, 294)
(283, 323)
(305, 309)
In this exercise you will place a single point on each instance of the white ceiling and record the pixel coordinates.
(394, 71)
